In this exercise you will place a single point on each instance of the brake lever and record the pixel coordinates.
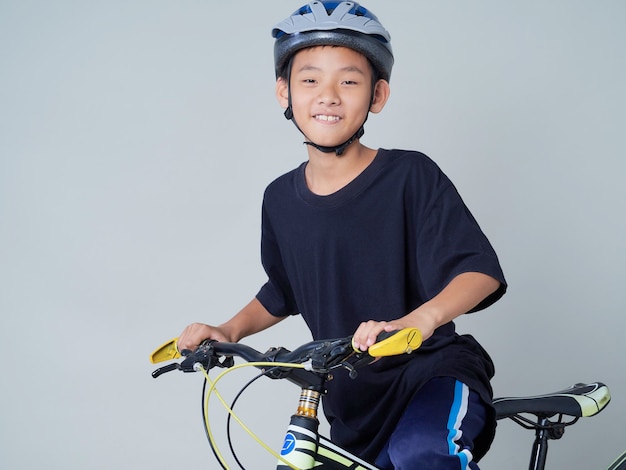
(164, 369)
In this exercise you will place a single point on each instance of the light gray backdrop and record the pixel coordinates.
(136, 138)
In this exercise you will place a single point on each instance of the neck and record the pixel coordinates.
(327, 173)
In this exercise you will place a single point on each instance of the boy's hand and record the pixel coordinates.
(367, 332)
(250, 319)
(194, 334)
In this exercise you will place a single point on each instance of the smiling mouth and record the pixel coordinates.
(326, 118)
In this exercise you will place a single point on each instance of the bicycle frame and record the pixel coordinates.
(306, 450)
(303, 446)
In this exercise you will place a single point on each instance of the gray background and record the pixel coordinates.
(136, 138)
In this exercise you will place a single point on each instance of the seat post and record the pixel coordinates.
(540, 446)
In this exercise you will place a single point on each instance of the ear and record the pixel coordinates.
(282, 92)
(381, 95)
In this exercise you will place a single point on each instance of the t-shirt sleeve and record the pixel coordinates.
(450, 242)
(276, 294)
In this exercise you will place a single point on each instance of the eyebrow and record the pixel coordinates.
(348, 68)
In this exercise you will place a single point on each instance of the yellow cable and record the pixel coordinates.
(213, 390)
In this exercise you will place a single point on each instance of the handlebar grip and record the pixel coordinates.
(397, 342)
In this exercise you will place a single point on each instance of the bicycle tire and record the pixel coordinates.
(619, 463)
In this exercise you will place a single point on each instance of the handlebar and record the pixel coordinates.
(318, 357)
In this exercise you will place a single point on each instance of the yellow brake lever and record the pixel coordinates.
(403, 341)
(165, 352)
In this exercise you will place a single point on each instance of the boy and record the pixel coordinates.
(360, 241)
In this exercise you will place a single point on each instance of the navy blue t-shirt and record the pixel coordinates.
(378, 248)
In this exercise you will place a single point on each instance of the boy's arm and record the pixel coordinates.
(462, 294)
(251, 319)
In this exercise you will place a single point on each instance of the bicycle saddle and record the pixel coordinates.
(578, 400)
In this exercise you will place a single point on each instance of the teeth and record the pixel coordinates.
(324, 117)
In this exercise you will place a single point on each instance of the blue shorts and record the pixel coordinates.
(437, 430)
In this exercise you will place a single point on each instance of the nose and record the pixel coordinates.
(328, 95)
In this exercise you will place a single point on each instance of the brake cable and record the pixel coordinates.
(213, 390)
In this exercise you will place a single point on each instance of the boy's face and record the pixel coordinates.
(331, 89)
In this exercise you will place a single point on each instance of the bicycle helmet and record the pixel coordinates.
(332, 23)
(326, 23)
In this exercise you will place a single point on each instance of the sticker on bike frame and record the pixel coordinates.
(289, 444)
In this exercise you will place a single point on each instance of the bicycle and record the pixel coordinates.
(312, 364)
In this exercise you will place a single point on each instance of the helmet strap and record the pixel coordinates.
(338, 149)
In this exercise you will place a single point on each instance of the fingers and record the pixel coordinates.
(367, 332)
(193, 335)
